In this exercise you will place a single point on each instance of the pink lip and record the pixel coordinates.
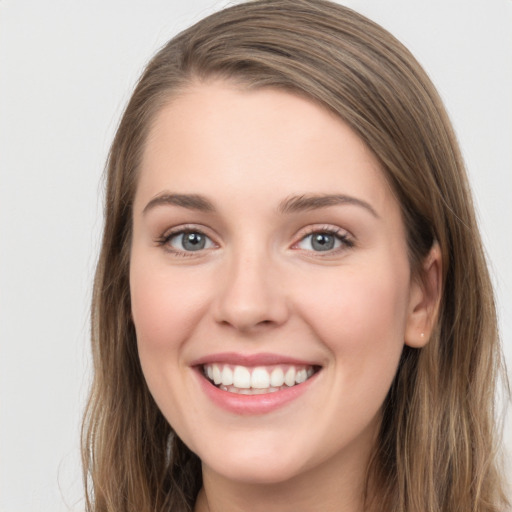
(262, 359)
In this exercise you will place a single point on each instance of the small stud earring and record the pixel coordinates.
(422, 334)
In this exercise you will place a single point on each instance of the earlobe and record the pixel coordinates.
(424, 300)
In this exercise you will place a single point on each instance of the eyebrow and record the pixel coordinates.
(316, 201)
(189, 201)
(291, 204)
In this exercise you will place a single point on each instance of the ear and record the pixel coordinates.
(424, 300)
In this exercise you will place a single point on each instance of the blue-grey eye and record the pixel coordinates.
(320, 241)
(190, 241)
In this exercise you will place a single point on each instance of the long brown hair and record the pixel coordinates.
(437, 449)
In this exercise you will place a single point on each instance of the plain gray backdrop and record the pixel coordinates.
(67, 68)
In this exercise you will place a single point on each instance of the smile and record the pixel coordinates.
(246, 380)
(254, 384)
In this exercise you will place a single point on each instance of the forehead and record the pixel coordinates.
(218, 135)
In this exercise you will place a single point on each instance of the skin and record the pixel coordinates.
(260, 286)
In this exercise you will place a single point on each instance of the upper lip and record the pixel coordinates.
(261, 359)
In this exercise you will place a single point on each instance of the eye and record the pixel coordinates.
(323, 241)
(188, 241)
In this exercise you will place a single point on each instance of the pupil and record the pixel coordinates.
(193, 241)
(322, 242)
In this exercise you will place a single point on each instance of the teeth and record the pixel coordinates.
(251, 391)
(289, 378)
(241, 377)
(277, 377)
(217, 377)
(258, 380)
(227, 376)
(301, 376)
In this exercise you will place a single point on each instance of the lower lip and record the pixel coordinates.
(253, 404)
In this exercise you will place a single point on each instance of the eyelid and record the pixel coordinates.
(182, 229)
(346, 238)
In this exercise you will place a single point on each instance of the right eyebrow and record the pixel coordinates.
(190, 201)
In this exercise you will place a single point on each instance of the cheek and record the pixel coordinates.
(165, 310)
(165, 306)
(361, 317)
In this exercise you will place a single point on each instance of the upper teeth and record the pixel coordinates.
(258, 377)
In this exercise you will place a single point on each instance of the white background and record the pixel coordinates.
(66, 70)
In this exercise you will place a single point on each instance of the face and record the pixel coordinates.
(270, 285)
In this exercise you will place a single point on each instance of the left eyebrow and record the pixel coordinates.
(316, 201)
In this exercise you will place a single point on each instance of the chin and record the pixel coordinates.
(262, 463)
(259, 472)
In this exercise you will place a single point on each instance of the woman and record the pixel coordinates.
(292, 309)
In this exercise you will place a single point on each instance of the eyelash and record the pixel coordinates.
(341, 235)
(163, 241)
(346, 241)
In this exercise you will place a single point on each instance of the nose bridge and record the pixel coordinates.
(250, 294)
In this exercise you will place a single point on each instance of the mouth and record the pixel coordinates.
(257, 380)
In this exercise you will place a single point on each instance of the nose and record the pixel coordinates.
(251, 295)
